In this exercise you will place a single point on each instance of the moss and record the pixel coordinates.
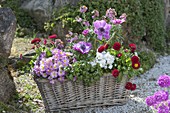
(4, 107)
(147, 59)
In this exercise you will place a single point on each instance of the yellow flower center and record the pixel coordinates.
(136, 65)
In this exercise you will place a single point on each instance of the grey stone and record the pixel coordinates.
(7, 30)
(29, 53)
(40, 10)
(7, 86)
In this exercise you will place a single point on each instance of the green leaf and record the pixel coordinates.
(48, 53)
(70, 77)
(38, 51)
(119, 78)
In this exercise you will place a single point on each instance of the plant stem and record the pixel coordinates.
(111, 38)
(95, 44)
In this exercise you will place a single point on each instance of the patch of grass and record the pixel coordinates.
(28, 97)
(5, 108)
(20, 46)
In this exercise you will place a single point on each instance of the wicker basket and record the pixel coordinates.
(72, 95)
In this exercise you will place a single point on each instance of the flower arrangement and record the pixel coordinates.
(88, 55)
(159, 101)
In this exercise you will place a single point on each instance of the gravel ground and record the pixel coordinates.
(146, 85)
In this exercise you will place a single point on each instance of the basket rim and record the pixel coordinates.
(44, 80)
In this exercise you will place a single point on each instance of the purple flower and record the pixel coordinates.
(168, 103)
(75, 78)
(78, 19)
(95, 14)
(85, 32)
(74, 60)
(82, 47)
(50, 78)
(161, 96)
(61, 54)
(49, 63)
(42, 67)
(86, 23)
(55, 51)
(52, 67)
(111, 13)
(163, 109)
(102, 29)
(70, 33)
(61, 72)
(123, 16)
(36, 69)
(42, 61)
(55, 66)
(52, 81)
(164, 81)
(65, 61)
(117, 21)
(48, 71)
(42, 55)
(83, 9)
(150, 100)
(53, 74)
(59, 63)
(44, 74)
(72, 39)
(61, 78)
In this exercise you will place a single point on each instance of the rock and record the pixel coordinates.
(40, 10)
(29, 53)
(7, 86)
(7, 30)
(60, 31)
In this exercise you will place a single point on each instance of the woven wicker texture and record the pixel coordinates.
(73, 95)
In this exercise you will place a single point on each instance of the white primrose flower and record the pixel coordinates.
(105, 59)
(110, 59)
(100, 56)
(102, 63)
(93, 63)
(110, 66)
(105, 67)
